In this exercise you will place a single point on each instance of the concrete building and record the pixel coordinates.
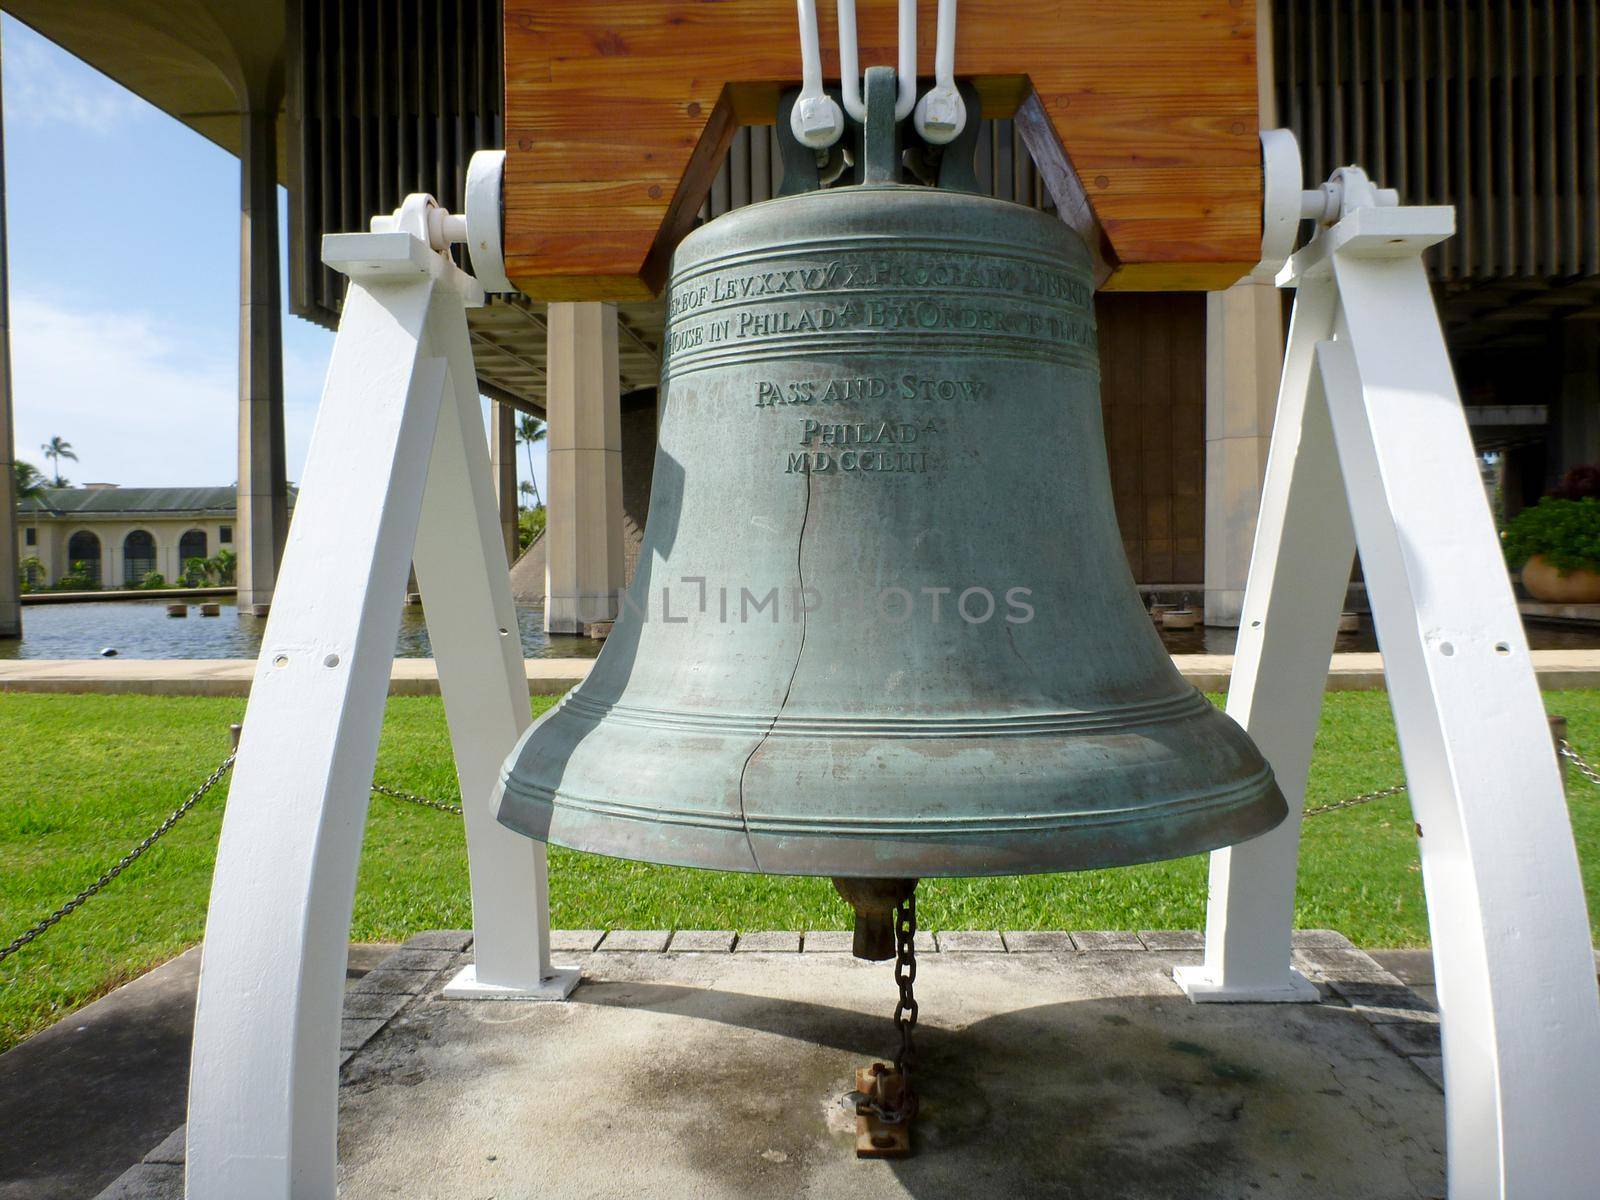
(354, 103)
(115, 536)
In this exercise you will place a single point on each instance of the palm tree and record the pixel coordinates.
(30, 482)
(530, 430)
(55, 450)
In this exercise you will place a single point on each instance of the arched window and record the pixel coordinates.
(83, 547)
(138, 557)
(191, 545)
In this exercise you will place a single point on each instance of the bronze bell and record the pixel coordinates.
(882, 625)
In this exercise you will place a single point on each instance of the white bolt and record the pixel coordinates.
(816, 121)
(940, 115)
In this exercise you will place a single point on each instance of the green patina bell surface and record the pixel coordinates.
(883, 624)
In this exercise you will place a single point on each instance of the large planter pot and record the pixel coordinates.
(1545, 582)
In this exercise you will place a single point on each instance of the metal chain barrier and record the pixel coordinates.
(161, 830)
(1577, 760)
(413, 798)
(123, 863)
(1353, 801)
(905, 967)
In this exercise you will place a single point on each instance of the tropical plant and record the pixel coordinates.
(55, 450)
(530, 524)
(1566, 533)
(222, 567)
(79, 578)
(152, 581)
(196, 571)
(30, 481)
(531, 429)
(31, 573)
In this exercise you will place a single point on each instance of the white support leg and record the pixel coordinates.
(263, 1083)
(472, 622)
(401, 395)
(1516, 979)
(1368, 374)
(1300, 566)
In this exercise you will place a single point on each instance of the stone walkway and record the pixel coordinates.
(1051, 1064)
(552, 676)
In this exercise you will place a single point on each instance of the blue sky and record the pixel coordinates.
(124, 244)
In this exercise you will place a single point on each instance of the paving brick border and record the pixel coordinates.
(1346, 976)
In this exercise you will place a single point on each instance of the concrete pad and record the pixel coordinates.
(1172, 939)
(723, 1076)
(1106, 939)
(771, 941)
(705, 941)
(575, 941)
(637, 940)
(84, 1099)
(1038, 941)
(969, 941)
(828, 941)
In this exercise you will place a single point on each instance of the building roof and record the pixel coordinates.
(135, 501)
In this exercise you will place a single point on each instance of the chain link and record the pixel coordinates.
(126, 861)
(1572, 756)
(905, 963)
(905, 1009)
(1364, 798)
(413, 798)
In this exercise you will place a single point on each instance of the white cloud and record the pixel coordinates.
(44, 85)
(142, 400)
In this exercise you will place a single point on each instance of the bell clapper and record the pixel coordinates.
(886, 927)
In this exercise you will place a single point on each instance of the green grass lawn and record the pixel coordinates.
(86, 776)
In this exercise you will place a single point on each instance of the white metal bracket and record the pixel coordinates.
(398, 473)
(1370, 447)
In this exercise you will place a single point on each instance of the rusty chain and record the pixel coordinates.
(905, 1009)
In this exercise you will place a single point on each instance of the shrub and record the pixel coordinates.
(32, 572)
(1564, 532)
(530, 524)
(153, 580)
(79, 579)
(223, 567)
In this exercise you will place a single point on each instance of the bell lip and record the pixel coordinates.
(1177, 830)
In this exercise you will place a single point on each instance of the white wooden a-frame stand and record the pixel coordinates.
(398, 472)
(1370, 447)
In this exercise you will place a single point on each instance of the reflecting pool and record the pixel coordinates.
(142, 629)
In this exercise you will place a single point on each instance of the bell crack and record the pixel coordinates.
(805, 619)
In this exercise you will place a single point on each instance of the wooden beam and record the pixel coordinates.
(619, 112)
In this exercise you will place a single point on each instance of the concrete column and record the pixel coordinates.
(1244, 357)
(583, 578)
(263, 484)
(10, 550)
(503, 460)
